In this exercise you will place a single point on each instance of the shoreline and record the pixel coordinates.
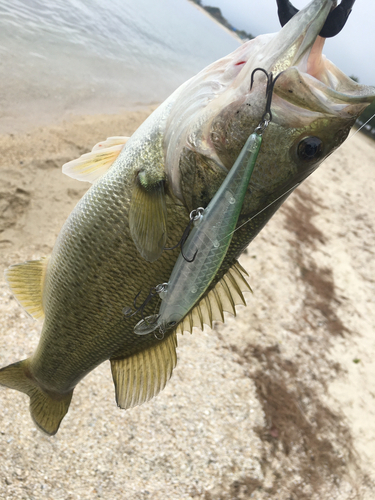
(203, 11)
(23, 123)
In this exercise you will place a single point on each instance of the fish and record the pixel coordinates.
(111, 249)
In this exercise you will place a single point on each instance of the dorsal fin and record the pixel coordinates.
(90, 166)
(118, 140)
(224, 297)
(26, 281)
(140, 377)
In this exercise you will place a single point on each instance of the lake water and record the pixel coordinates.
(98, 56)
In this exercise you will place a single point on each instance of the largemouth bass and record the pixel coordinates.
(144, 188)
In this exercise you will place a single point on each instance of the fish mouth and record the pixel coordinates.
(309, 87)
(309, 80)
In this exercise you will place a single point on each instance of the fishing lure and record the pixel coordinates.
(210, 237)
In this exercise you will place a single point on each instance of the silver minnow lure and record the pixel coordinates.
(208, 241)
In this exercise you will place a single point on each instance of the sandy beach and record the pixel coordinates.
(277, 403)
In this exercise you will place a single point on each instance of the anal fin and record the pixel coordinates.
(46, 411)
(148, 216)
(26, 282)
(140, 377)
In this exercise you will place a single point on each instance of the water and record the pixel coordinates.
(98, 56)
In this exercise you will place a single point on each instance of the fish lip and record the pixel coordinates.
(330, 93)
(326, 88)
(335, 22)
(290, 45)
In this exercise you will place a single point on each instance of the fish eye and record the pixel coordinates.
(171, 323)
(310, 148)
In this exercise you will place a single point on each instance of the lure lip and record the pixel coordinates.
(147, 325)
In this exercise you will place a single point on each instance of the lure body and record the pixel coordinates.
(208, 241)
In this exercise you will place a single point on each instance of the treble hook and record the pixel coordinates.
(267, 115)
(194, 215)
(127, 311)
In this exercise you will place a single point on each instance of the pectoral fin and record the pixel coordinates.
(148, 216)
(26, 281)
(91, 166)
(140, 377)
(227, 293)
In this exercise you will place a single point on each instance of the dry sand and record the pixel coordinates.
(278, 403)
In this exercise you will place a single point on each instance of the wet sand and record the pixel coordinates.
(277, 403)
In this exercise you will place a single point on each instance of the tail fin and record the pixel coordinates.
(46, 411)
